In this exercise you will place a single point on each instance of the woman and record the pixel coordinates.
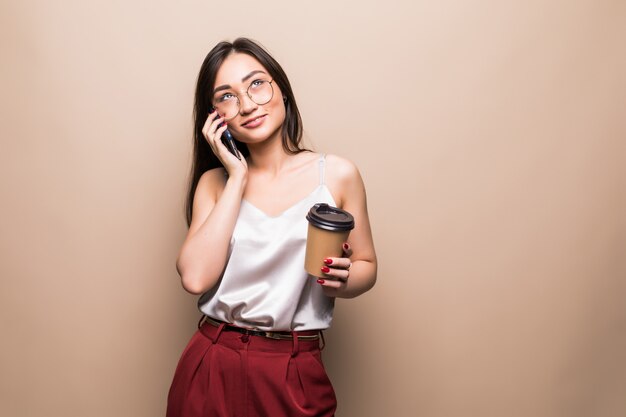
(257, 349)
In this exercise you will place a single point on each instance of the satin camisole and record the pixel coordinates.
(264, 285)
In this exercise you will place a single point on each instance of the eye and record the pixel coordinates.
(225, 97)
(257, 83)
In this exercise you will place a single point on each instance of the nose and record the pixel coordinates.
(246, 105)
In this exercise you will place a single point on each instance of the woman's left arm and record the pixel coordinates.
(355, 273)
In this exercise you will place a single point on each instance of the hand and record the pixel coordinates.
(213, 135)
(337, 271)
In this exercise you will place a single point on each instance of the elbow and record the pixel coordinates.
(192, 285)
(372, 278)
(368, 286)
(198, 282)
(375, 275)
(372, 283)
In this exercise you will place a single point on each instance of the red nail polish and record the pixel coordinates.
(345, 246)
(325, 269)
(328, 261)
(320, 281)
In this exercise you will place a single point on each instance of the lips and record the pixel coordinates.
(254, 122)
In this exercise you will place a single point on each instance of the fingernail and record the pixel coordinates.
(320, 281)
(345, 246)
(325, 269)
(328, 261)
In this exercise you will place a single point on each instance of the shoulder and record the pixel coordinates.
(340, 169)
(342, 177)
(212, 181)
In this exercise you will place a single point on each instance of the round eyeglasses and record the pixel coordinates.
(259, 91)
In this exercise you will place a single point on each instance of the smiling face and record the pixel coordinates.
(254, 123)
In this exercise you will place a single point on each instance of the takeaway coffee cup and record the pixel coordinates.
(329, 228)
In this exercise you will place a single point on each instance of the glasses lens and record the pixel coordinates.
(261, 91)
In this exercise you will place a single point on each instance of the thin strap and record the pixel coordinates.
(322, 166)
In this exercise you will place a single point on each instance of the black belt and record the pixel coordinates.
(270, 335)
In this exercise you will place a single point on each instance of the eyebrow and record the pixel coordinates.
(227, 86)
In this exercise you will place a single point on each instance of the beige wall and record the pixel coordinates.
(491, 139)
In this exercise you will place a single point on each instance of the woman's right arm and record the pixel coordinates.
(203, 255)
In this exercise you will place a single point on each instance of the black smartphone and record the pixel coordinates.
(228, 140)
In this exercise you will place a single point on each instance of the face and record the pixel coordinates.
(254, 122)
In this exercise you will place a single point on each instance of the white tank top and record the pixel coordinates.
(264, 284)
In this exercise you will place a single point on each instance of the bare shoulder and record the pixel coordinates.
(341, 169)
(211, 183)
(342, 177)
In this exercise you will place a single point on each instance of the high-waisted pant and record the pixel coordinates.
(228, 374)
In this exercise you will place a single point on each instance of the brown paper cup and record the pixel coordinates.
(329, 228)
(321, 244)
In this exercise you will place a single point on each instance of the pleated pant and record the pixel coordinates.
(228, 374)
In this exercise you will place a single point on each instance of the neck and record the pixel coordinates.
(268, 156)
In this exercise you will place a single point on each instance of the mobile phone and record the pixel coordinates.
(229, 141)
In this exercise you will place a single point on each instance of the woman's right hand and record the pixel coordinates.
(213, 135)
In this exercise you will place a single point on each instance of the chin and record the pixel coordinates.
(257, 136)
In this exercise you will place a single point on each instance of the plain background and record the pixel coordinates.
(490, 136)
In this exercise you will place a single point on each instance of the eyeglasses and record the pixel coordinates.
(259, 91)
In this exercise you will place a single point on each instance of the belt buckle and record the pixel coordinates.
(274, 335)
(248, 332)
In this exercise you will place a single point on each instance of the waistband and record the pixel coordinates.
(280, 335)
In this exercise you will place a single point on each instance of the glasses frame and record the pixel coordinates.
(249, 96)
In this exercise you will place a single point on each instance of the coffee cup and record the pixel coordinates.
(329, 228)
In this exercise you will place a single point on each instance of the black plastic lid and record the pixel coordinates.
(330, 218)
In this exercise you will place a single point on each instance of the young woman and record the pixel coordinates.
(257, 348)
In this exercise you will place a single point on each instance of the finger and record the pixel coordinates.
(212, 116)
(333, 273)
(347, 249)
(218, 123)
(217, 137)
(214, 133)
(217, 145)
(330, 283)
(338, 262)
(211, 125)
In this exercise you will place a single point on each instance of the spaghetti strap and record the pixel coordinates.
(322, 166)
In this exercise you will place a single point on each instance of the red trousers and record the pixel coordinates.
(228, 374)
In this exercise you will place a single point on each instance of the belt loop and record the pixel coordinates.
(219, 332)
(201, 320)
(295, 344)
(323, 340)
(219, 328)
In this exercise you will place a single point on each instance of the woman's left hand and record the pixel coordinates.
(337, 270)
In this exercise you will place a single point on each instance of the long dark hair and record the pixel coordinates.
(203, 157)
